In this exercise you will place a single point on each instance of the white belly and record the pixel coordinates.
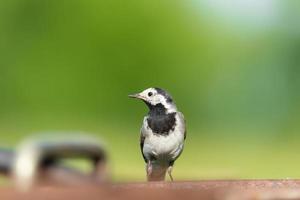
(163, 148)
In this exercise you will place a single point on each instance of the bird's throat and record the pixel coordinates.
(159, 120)
(157, 110)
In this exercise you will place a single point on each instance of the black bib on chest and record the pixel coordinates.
(159, 121)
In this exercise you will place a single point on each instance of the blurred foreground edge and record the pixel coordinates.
(40, 162)
(215, 190)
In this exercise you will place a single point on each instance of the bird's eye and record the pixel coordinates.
(150, 94)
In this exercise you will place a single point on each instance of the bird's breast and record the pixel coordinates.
(163, 147)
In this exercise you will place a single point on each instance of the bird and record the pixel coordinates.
(163, 133)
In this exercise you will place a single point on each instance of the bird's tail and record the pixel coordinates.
(158, 173)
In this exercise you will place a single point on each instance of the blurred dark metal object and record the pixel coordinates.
(39, 162)
(6, 161)
(56, 172)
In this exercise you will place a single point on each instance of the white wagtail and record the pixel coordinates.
(162, 134)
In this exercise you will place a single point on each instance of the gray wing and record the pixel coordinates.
(182, 129)
(142, 140)
(183, 126)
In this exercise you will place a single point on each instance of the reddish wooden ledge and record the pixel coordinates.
(212, 189)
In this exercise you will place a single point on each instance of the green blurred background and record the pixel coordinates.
(233, 68)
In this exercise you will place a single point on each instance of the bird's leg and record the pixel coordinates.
(170, 172)
(149, 169)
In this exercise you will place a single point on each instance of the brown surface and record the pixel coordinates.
(231, 190)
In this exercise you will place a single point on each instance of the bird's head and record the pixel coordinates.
(154, 97)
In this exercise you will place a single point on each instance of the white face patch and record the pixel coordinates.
(153, 97)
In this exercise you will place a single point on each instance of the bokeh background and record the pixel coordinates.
(233, 67)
